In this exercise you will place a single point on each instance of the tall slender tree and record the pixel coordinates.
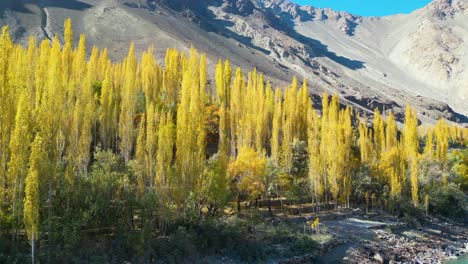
(32, 196)
(128, 105)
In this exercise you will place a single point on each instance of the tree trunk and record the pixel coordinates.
(269, 206)
(4, 188)
(15, 210)
(238, 204)
(32, 248)
(49, 216)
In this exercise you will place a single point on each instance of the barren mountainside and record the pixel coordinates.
(370, 62)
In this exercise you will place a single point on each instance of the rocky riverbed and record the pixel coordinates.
(379, 238)
(436, 243)
(390, 241)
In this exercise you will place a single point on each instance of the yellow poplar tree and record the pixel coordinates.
(347, 160)
(379, 134)
(315, 156)
(19, 149)
(411, 141)
(191, 133)
(334, 148)
(224, 144)
(150, 77)
(32, 196)
(7, 111)
(429, 148)
(152, 123)
(289, 119)
(391, 139)
(128, 105)
(165, 153)
(276, 128)
(235, 109)
(415, 181)
(220, 83)
(410, 133)
(442, 141)
(107, 120)
(140, 156)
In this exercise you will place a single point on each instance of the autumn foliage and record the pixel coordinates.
(57, 106)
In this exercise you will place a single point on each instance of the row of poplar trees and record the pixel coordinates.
(57, 105)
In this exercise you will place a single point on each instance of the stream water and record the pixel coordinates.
(460, 260)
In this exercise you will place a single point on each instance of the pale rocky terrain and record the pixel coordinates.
(357, 238)
(370, 62)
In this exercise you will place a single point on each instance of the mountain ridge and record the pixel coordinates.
(369, 61)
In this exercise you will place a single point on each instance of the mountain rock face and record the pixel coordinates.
(371, 62)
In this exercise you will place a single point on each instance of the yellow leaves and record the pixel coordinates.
(128, 105)
(411, 143)
(442, 139)
(391, 139)
(314, 224)
(107, 110)
(151, 77)
(172, 75)
(31, 199)
(141, 156)
(165, 150)
(227, 80)
(414, 178)
(224, 142)
(315, 155)
(19, 148)
(294, 121)
(221, 85)
(276, 127)
(79, 60)
(248, 161)
(191, 124)
(248, 171)
(390, 165)
(410, 133)
(379, 134)
(75, 101)
(429, 148)
(68, 33)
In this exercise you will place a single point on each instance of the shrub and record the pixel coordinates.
(448, 201)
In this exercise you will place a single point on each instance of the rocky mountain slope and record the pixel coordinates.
(370, 62)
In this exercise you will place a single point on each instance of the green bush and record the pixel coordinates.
(404, 208)
(448, 202)
(246, 240)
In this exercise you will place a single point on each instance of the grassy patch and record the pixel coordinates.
(245, 240)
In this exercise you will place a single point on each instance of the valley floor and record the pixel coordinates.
(353, 236)
(379, 238)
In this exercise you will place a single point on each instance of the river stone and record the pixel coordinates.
(378, 257)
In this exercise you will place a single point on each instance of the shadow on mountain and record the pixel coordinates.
(315, 47)
(210, 23)
(318, 49)
(459, 118)
(14, 5)
(66, 4)
(20, 5)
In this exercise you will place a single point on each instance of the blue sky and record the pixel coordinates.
(368, 7)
